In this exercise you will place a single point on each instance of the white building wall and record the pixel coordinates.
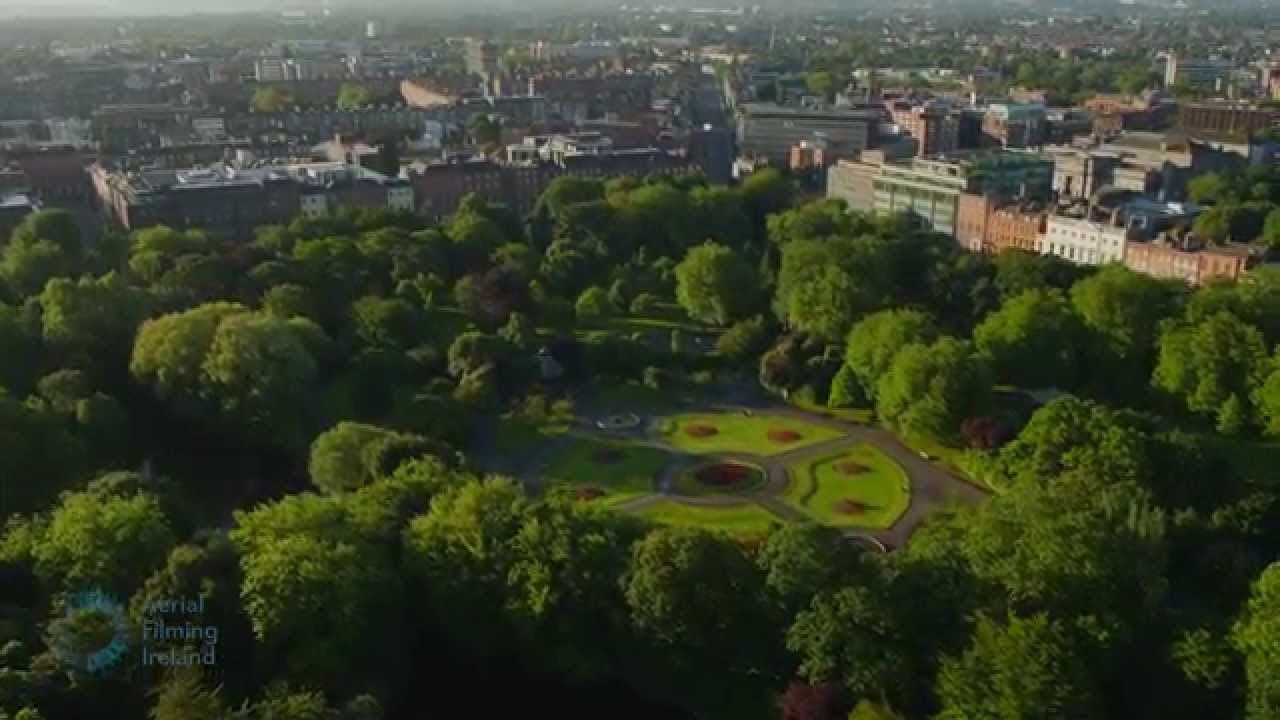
(1083, 242)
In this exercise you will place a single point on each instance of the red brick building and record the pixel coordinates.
(1182, 259)
(988, 224)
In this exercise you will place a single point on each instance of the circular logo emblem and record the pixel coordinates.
(92, 635)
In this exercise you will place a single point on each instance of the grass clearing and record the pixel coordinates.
(745, 520)
(620, 470)
(757, 434)
(519, 437)
(859, 487)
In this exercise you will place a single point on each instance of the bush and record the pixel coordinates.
(593, 304)
(744, 339)
(644, 303)
(655, 377)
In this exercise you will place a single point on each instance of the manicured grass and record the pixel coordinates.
(860, 487)
(859, 416)
(746, 520)
(703, 433)
(688, 482)
(519, 437)
(618, 469)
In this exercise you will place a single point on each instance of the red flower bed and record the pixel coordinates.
(784, 437)
(851, 507)
(724, 475)
(588, 493)
(849, 467)
(607, 456)
(701, 431)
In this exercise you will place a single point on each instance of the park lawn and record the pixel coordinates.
(858, 416)
(609, 396)
(631, 473)
(686, 482)
(516, 436)
(737, 433)
(745, 520)
(816, 487)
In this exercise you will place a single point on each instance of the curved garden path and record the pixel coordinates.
(932, 487)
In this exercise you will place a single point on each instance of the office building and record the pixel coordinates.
(232, 202)
(1014, 125)
(1208, 74)
(770, 131)
(935, 129)
(1225, 119)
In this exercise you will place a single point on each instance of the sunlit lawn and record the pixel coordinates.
(737, 433)
(746, 520)
(619, 469)
(859, 487)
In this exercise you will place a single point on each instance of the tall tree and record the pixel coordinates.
(714, 284)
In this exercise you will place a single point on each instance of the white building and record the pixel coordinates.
(1084, 242)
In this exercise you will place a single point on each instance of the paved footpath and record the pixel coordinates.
(932, 487)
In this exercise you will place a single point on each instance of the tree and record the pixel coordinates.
(876, 340)
(820, 84)
(824, 286)
(1257, 636)
(252, 370)
(714, 283)
(1208, 188)
(1271, 229)
(744, 339)
(801, 701)
(1123, 310)
(1208, 363)
(593, 304)
(93, 318)
(19, 351)
(184, 696)
(484, 129)
(350, 455)
(1032, 340)
(1266, 398)
(1018, 271)
(929, 389)
(26, 267)
(384, 323)
(472, 350)
(55, 225)
(99, 538)
(803, 560)
(270, 99)
(849, 636)
(353, 96)
(1021, 669)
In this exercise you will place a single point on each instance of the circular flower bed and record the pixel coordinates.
(849, 467)
(607, 456)
(784, 437)
(701, 431)
(724, 475)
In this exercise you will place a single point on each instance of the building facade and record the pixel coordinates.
(988, 224)
(1181, 257)
(770, 131)
(1014, 125)
(1083, 241)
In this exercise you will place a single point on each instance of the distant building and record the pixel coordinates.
(482, 61)
(989, 224)
(1209, 74)
(934, 127)
(1014, 125)
(1180, 255)
(931, 188)
(232, 202)
(1084, 241)
(13, 208)
(1225, 119)
(770, 131)
(273, 69)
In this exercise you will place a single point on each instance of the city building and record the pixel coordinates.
(931, 188)
(934, 127)
(770, 131)
(13, 208)
(482, 61)
(1084, 241)
(273, 69)
(1179, 254)
(439, 187)
(990, 224)
(1079, 173)
(1210, 74)
(1014, 125)
(233, 201)
(1225, 119)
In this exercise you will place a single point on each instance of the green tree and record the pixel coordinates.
(1123, 310)
(849, 636)
(876, 340)
(1257, 636)
(714, 284)
(1021, 669)
(1271, 229)
(1032, 340)
(744, 339)
(1208, 363)
(824, 286)
(350, 455)
(820, 84)
(183, 695)
(270, 99)
(26, 267)
(353, 96)
(593, 304)
(801, 561)
(384, 322)
(1210, 188)
(929, 389)
(93, 318)
(96, 537)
